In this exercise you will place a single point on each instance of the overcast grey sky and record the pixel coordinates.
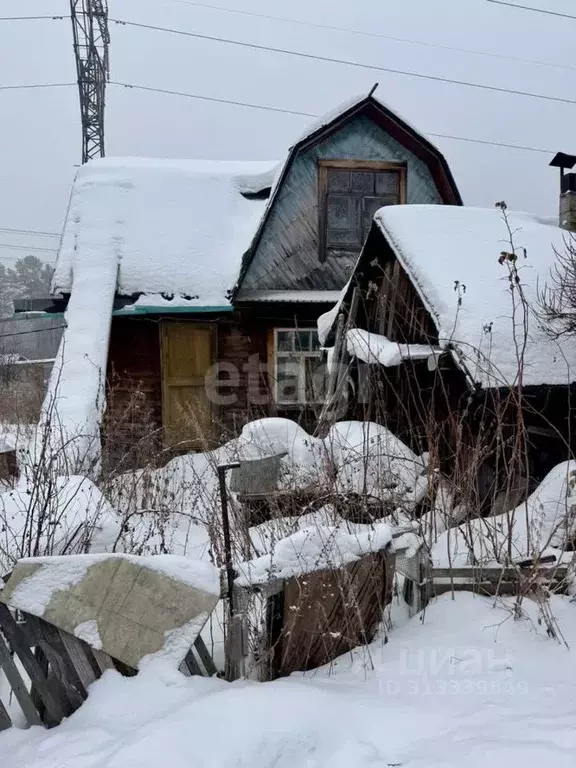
(40, 133)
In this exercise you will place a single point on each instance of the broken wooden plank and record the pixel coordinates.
(5, 721)
(79, 658)
(191, 664)
(205, 657)
(103, 660)
(73, 692)
(56, 710)
(495, 574)
(18, 686)
(40, 657)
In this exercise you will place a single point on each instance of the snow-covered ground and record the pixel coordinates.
(466, 685)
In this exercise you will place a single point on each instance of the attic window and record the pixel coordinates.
(350, 194)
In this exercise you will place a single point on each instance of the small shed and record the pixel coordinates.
(438, 335)
(320, 593)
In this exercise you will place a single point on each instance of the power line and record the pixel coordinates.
(309, 114)
(493, 143)
(37, 232)
(35, 85)
(28, 248)
(32, 18)
(534, 10)
(378, 35)
(212, 98)
(24, 333)
(358, 65)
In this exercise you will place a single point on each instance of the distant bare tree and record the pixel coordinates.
(557, 297)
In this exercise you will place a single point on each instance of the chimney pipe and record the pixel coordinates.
(567, 190)
(568, 202)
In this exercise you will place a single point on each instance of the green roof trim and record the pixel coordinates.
(132, 311)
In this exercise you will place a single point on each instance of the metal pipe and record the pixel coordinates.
(222, 469)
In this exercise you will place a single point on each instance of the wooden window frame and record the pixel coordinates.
(302, 355)
(351, 165)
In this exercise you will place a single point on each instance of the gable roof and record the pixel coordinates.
(400, 129)
(177, 227)
(452, 253)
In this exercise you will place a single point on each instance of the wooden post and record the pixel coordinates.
(5, 721)
(102, 659)
(51, 643)
(17, 684)
(332, 378)
(344, 356)
(79, 659)
(205, 658)
(40, 657)
(55, 709)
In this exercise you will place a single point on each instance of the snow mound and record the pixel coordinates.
(468, 685)
(545, 521)
(55, 520)
(354, 458)
(305, 461)
(370, 460)
(313, 549)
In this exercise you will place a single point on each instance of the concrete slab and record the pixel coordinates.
(134, 606)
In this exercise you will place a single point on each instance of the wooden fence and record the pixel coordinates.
(60, 668)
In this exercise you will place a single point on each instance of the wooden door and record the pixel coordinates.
(187, 355)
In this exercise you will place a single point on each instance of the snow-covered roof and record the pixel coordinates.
(452, 256)
(312, 297)
(176, 226)
(340, 109)
(314, 549)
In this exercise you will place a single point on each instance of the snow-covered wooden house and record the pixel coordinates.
(196, 285)
(440, 335)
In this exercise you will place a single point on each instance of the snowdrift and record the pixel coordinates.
(467, 686)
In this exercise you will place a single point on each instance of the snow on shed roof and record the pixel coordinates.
(176, 226)
(453, 252)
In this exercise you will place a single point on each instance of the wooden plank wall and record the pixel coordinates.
(133, 423)
(396, 310)
(288, 254)
(330, 612)
(134, 392)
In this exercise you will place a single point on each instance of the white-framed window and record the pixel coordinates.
(300, 374)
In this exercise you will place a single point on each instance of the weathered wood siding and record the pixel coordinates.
(415, 403)
(134, 393)
(389, 303)
(243, 390)
(288, 253)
